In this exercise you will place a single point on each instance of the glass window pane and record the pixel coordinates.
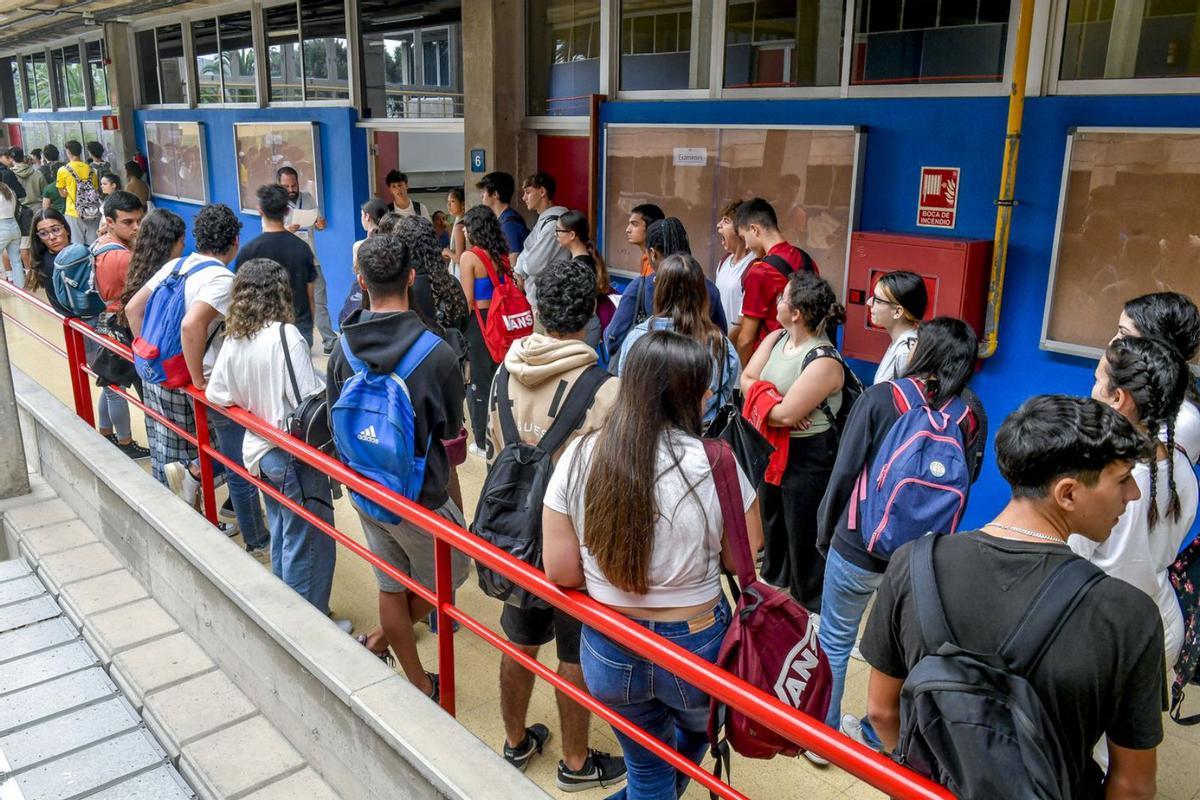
(171, 67)
(1158, 40)
(12, 73)
(784, 43)
(897, 42)
(237, 58)
(147, 59)
(37, 73)
(56, 59)
(95, 67)
(283, 52)
(208, 60)
(411, 58)
(323, 23)
(658, 50)
(73, 77)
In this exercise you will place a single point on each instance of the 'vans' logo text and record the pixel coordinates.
(517, 322)
(797, 669)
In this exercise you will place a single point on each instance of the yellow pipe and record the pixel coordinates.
(1008, 179)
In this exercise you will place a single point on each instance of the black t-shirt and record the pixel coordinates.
(294, 254)
(1103, 674)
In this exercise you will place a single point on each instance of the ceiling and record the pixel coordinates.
(26, 22)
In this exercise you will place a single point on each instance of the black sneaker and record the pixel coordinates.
(134, 450)
(112, 437)
(226, 510)
(600, 769)
(436, 693)
(536, 737)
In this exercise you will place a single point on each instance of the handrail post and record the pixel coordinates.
(444, 589)
(207, 487)
(76, 362)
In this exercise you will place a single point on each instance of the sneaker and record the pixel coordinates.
(260, 554)
(853, 728)
(112, 437)
(600, 769)
(230, 529)
(815, 759)
(328, 346)
(536, 737)
(856, 654)
(182, 482)
(134, 450)
(386, 656)
(346, 626)
(477, 451)
(435, 694)
(226, 510)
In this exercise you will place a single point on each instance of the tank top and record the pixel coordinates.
(783, 369)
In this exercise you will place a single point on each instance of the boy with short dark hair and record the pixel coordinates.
(402, 204)
(541, 246)
(1069, 463)
(642, 217)
(496, 191)
(71, 176)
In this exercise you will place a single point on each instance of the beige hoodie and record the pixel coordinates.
(542, 370)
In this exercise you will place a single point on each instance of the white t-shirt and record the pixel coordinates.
(1187, 430)
(1139, 555)
(729, 284)
(686, 555)
(212, 285)
(251, 373)
(896, 358)
(412, 210)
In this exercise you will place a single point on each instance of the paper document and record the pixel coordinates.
(304, 217)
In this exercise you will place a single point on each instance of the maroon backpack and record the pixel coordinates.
(771, 643)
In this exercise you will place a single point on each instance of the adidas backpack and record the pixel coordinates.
(74, 278)
(509, 314)
(158, 350)
(852, 387)
(373, 424)
(88, 202)
(972, 722)
(509, 514)
(920, 478)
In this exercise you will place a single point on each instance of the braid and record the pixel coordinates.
(1174, 507)
(1152, 514)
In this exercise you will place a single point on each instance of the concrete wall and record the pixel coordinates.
(361, 726)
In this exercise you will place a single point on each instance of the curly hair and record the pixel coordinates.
(261, 295)
(483, 229)
(215, 229)
(1156, 377)
(813, 297)
(418, 236)
(385, 266)
(389, 223)
(567, 296)
(156, 237)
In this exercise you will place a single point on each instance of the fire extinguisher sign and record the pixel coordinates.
(937, 201)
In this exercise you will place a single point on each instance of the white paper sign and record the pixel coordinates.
(690, 156)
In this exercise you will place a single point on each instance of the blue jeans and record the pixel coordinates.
(243, 493)
(301, 556)
(10, 243)
(650, 697)
(844, 598)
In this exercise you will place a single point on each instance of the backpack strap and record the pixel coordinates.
(508, 425)
(422, 347)
(724, 473)
(1048, 613)
(931, 615)
(825, 351)
(779, 263)
(287, 359)
(485, 257)
(356, 363)
(574, 408)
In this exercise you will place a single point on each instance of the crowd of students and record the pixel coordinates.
(621, 393)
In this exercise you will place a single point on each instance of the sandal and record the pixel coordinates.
(385, 656)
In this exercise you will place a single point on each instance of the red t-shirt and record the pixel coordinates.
(110, 272)
(763, 283)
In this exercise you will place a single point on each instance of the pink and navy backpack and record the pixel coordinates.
(920, 478)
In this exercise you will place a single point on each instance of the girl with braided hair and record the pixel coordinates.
(1146, 381)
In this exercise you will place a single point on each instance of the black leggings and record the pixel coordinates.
(789, 515)
(483, 369)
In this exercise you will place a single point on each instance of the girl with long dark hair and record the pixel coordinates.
(897, 305)
(486, 249)
(681, 305)
(943, 362)
(456, 206)
(51, 234)
(632, 513)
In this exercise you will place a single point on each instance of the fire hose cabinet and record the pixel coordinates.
(955, 272)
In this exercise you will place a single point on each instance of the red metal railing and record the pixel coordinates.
(862, 762)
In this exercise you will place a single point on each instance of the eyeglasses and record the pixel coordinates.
(46, 233)
(876, 300)
(561, 230)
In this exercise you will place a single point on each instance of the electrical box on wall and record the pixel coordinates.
(955, 272)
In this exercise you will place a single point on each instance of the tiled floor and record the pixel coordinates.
(478, 664)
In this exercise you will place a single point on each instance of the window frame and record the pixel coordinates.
(89, 87)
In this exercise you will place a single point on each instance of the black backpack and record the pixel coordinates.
(509, 514)
(971, 721)
(852, 387)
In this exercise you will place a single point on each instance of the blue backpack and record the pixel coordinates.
(920, 479)
(158, 350)
(74, 278)
(374, 427)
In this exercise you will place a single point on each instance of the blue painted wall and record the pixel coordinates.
(903, 135)
(343, 167)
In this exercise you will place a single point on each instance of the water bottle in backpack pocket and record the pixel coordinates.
(920, 477)
(74, 279)
(158, 349)
(374, 426)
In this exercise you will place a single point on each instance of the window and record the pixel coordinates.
(282, 26)
(225, 68)
(665, 44)
(563, 55)
(326, 69)
(208, 61)
(172, 70)
(68, 76)
(10, 74)
(1157, 40)
(147, 61)
(908, 42)
(37, 75)
(783, 43)
(95, 53)
(411, 61)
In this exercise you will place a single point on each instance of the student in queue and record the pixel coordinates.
(631, 513)
(51, 233)
(640, 219)
(574, 235)
(810, 389)
(898, 305)
(732, 269)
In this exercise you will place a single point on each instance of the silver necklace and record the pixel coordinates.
(1026, 532)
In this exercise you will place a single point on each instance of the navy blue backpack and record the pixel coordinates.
(920, 479)
(373, 425)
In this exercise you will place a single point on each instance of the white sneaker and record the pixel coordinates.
(856, 654)
(181, 481)
(346, 625)
(477, 451)
(852, 729)
(815, 759)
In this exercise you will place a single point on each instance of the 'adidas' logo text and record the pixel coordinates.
(367, 434)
